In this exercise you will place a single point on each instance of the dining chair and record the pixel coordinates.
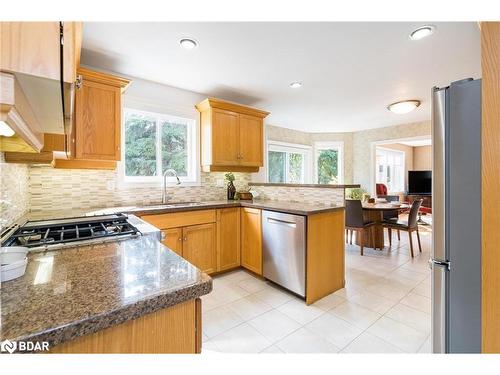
(409, 226)
(354, 222)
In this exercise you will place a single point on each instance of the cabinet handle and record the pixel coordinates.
(180, 238)
(163, 236)
(78, 82)
(185, 238)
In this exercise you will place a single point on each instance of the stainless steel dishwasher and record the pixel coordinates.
(284, 250)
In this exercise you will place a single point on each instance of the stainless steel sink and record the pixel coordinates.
(173, 205)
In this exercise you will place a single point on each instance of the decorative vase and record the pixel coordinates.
(231, 190)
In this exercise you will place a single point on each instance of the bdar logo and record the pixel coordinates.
(8, 346)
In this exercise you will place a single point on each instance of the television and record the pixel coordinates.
(419, 182)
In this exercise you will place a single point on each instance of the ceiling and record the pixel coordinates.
(350, 71)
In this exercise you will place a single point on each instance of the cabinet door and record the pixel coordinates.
(98, 121)
(199, 248)
(251, 239)
(172, 238)
(225, 135)
(228, 238)
(251, 141)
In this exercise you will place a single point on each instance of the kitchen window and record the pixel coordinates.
(329, 158)
(288, 163)
(390, 169)
(155, 142)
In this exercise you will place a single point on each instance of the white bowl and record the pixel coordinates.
(12, 254)
(395, 204)
(13, 270)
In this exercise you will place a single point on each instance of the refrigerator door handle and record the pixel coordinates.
(440, 271)
(442, 263)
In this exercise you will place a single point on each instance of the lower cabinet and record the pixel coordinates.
(251, 239)
(172, 238)
(199, 248)
(228, 238)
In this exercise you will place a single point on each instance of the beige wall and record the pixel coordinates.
(422, 158)
(363, 150)
(14, 193)
(357, 146)
(280, 134)
(408, 151)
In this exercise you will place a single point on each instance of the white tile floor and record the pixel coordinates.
(384, 308)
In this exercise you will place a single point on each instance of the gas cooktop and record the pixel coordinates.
(73, 231)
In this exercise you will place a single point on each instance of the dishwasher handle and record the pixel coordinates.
(281, 222)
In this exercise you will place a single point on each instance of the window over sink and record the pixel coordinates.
(155, 142)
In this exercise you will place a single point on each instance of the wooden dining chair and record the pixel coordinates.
(409, 226)
(354, 222)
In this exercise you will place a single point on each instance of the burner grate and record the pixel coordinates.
(35, 234)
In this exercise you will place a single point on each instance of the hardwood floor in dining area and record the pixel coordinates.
(385, 307)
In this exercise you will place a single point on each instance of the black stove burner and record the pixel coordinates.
(35, 234)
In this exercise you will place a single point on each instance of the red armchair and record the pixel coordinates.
(381, 189)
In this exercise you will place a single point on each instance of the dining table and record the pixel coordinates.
(374, 236)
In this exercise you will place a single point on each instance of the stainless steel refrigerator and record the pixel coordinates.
(456, 211)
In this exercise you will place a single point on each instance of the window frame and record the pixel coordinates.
(193, 177)
(330, 145)
(291, 148)
(403, 166)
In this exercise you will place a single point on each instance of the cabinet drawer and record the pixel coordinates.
(180, 219)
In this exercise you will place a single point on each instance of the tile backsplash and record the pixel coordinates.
(14, 191)
(66, 189)
(326, 196)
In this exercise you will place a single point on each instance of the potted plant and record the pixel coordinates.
(231, 189)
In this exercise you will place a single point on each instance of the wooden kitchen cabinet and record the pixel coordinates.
(232, 136)
(251, 239)
(228, 238)
(172, 238)
(34, 48)
(199, 246)
(251, 141)
(97, 134)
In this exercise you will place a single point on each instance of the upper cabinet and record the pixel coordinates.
(34, 48)
(232, 136)
(97, 133)
(30, 76)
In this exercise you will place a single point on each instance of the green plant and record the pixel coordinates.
(355, 193)
(229, 176)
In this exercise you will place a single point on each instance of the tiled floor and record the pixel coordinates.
(385, 307)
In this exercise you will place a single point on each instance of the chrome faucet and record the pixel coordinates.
(170, 172)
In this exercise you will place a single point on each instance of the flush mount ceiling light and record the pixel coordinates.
(188, 43)
(404, 106)
(295, 85)
(6, 130)
(422, 32)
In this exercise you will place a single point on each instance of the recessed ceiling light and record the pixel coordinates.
(295, 85)
(6, 130)
(422, 32)
(188, 43)
(403, 106)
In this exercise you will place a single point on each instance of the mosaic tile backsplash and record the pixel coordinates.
(64, 189)
(14, 193)
(333, 196)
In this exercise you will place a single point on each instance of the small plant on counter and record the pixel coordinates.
(231, 189)
(355, 193)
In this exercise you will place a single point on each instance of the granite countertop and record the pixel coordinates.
(72, 292)
(296, 208)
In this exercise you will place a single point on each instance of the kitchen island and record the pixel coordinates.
(130, 296)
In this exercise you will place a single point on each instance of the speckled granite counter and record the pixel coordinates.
(286, 207)
(76, 291)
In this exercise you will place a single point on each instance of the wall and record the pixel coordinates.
(326, 196)
(66, 189)
(422, 158)
(276, 133)
(14, 191)
(408, 151)
(58, 189)
(363, 147)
